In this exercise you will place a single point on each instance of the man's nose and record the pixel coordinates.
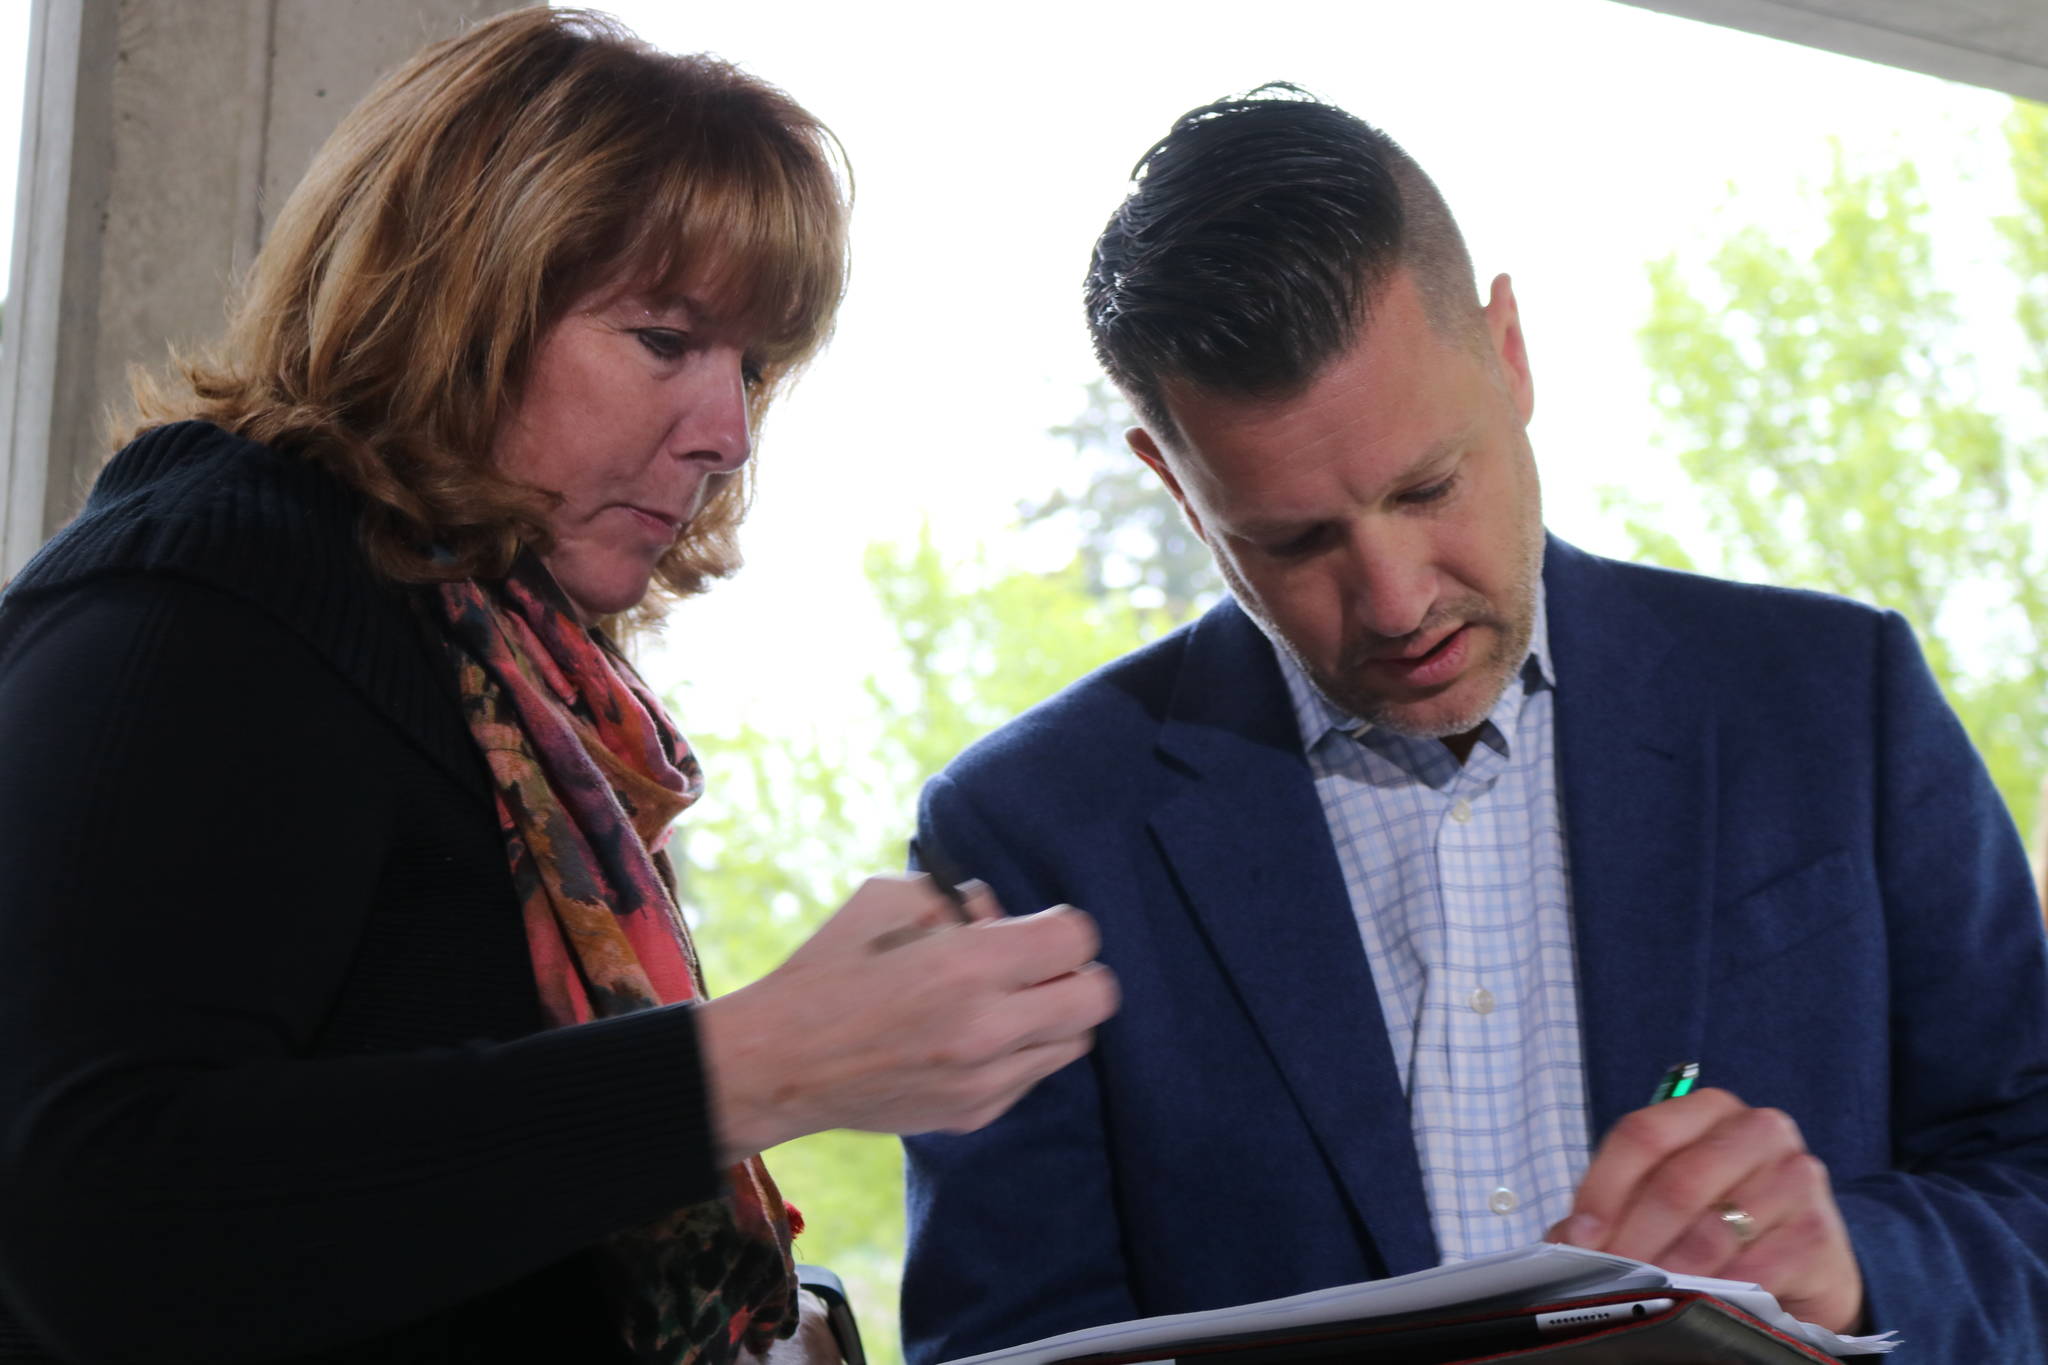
(715, 427)
(1393, 584)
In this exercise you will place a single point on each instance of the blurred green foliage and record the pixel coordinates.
(1841, 434)
(1131, 533)
(790, 822)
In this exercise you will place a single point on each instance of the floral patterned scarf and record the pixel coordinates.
(589, 774)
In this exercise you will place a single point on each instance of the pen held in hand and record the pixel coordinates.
(1679, 1080)
(947, 886)
(944, 876)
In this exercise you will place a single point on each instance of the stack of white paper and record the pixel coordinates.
(1540, 1274)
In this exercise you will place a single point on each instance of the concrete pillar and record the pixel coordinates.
(158, 136)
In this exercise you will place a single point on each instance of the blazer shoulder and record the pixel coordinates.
(1742, 620)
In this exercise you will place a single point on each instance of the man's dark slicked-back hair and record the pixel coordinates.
(1257, 234)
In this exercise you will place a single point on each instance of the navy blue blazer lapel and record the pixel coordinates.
(1635, 752)
(1248, 846)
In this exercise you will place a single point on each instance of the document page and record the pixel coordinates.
(1544, 1273)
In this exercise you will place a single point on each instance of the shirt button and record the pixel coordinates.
(1502, 1201)
(1481, 1001)
(1462, 812)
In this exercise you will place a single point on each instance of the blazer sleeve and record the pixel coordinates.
(1013, 1230)
(193, 838)
(1953, 1241)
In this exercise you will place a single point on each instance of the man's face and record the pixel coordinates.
(1384, 526)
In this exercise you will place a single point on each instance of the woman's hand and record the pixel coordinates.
(942, 1031)
(813, 1343)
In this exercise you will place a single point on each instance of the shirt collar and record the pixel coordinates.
(1316, 715)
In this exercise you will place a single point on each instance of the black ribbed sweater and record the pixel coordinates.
(273, 1079)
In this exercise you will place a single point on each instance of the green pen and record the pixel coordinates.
(1679, 1080)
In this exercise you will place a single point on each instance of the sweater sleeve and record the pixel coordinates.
(193, 842)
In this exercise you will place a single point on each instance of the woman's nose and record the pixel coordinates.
(716, 426)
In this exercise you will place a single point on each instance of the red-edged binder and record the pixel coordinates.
(1696, 1330)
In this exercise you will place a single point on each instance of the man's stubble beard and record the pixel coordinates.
(1512, 631)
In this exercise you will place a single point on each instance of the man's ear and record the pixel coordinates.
(1145, 448)
(1504, 330)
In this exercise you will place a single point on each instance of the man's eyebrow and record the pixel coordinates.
(1435, 453)
(1427, 461)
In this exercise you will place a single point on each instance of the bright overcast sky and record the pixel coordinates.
(1575, 139)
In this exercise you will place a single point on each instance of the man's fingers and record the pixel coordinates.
(1705, 1185)
(1675, 1212)
(1639, 1143)
(1791, 1207)
(1769, 1228)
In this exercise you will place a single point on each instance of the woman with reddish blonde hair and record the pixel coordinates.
(346, 1011)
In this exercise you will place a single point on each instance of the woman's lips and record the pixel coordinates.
(655, 522)
(1439, 664)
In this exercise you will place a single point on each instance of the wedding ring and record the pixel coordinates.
(1739, 1223)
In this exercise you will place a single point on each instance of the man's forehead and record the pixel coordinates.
(1365, 426)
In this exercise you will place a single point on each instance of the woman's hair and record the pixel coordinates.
(387, 326)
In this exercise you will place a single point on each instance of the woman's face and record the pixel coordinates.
(635, 408)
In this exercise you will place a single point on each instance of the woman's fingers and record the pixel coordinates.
(1074, 1002)
(1040, 947)
(944, 1027)
(1013, 1078)
(981, 902)
(886, 912)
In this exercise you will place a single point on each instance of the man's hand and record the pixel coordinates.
(1663, 1186)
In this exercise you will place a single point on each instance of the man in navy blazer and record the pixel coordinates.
(1765, 842)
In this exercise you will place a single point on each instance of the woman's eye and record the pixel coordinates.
(664, 343)
(752, 375)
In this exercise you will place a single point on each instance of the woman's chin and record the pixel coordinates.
(596, 592)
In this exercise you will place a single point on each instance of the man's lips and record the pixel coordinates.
(1440, 663)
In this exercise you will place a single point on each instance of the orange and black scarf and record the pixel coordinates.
(589, 774)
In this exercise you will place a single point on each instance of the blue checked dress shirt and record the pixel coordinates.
(1457, 877)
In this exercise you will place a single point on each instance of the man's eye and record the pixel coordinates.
(664, 343)
(752, 375)
(1297, 547)
(1435, 492)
